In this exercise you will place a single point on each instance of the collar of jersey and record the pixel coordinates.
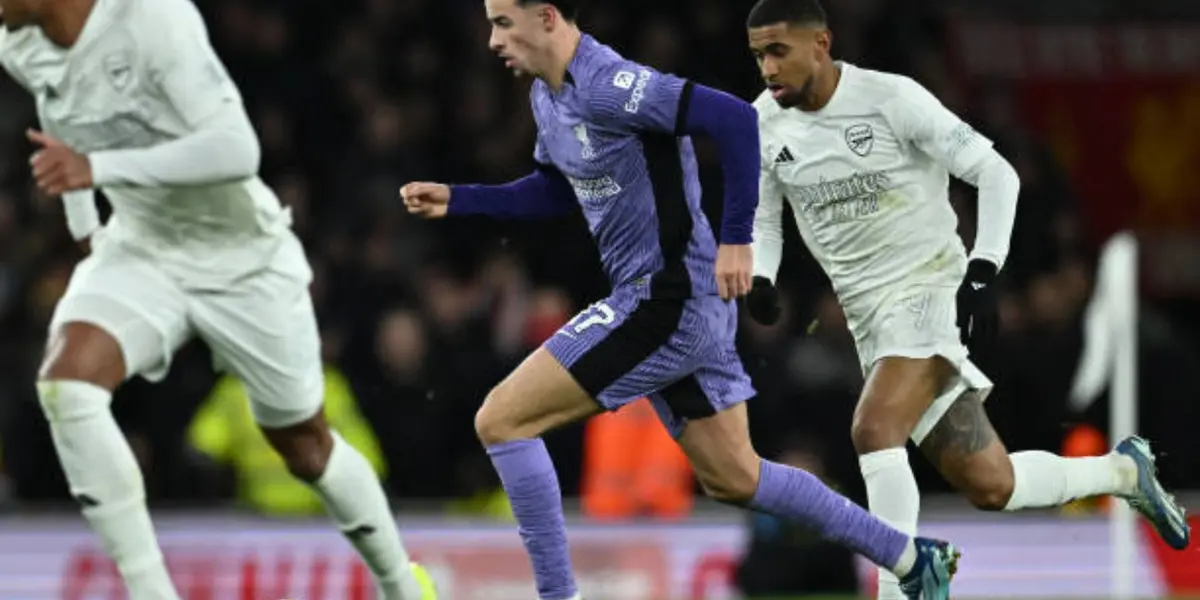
(587, 45)
(843, 81)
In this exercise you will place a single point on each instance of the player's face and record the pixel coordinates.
(790, 57)
(519, 34)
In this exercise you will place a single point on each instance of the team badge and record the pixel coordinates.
(860, 138)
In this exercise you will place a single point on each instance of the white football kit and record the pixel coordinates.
(197, 244)
(867, 178)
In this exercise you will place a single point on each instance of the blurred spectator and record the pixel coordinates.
(633, 468)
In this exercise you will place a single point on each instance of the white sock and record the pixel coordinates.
(1042, 479)
(104, 477)
(355, 500)
(892, 495)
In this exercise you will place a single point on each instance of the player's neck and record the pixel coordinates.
(65, 21)
(824, 87)
(562, 51)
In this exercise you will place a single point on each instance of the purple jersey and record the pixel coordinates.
(614, 131)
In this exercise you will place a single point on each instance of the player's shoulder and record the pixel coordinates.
(882, 88)
(165, 22)
(599, 69)
(594, 59)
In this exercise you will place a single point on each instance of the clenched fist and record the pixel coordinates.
(427, 200)
(57, 168)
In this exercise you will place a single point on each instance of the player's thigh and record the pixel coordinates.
(911, 348)
(127, 306)
(264, 331)
(538, 396)
(898, 391)
(966, 450)
(571, 376)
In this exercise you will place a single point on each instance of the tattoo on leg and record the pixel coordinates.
(962, 431)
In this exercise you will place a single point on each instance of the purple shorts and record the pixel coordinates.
(678, 353)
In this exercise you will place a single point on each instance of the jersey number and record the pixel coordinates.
(598, 313)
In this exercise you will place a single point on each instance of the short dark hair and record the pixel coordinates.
(568, 8)
(792, 12)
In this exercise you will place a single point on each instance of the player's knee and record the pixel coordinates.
(83, 352)
(734, 485)
(871, 434)
(67, 400)
(494, 425)
(304, 447)
(989, 489)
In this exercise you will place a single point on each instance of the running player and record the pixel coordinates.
(613, 139)
(864, 159)
(133, 101)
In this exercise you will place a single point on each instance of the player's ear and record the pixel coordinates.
(548, 17)
(824, 40)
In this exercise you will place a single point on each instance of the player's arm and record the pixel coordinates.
(543, 193)
(917, 115)
(763, 301)
(221, 144)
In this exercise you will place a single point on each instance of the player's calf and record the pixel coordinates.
(966, 450)
(538, 396)
(721, 454)
(353, 497)
(83, 365)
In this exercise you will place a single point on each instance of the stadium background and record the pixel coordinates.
(1097, 104)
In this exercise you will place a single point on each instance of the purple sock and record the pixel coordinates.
(531, 483)
(796, 495)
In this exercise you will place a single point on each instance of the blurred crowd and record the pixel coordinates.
(353, 99)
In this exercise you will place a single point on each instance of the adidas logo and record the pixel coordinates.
(785, 156)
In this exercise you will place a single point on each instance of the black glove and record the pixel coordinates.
(978, 307)
(763, 301)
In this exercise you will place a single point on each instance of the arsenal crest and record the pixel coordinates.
(860, 138)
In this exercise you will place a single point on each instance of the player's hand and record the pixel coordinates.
(763, 301)
(427, 200)
(57, 168)
(735, 264)
(978, 306)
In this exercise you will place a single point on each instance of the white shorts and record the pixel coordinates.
(261, 328)
(916, 321)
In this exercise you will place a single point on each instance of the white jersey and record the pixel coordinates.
(142, 76)
(867, 178)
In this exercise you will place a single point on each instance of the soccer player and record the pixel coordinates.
(613, 140)
(132, 100)
(863, 158)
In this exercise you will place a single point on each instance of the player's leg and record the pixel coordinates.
(968, 453)
(540, 395)
(730, 471)
(264, 330)
(589, 361)
(898, 391)
(119, 318)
